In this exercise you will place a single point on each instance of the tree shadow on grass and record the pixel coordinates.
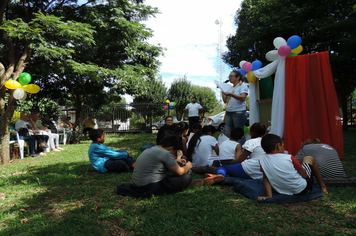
(61, 199)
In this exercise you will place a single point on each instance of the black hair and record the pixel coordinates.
(197, 126)
(237, 133)
(165, 119)
(269, 142)
(170, 140)
(196, 138)
(257, 130)
(94, 134)
(182, 126)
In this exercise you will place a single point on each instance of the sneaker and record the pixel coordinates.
(196, 183)
(60, 148)
(213, 179)
(56, 150)
(35, 155)
(208, 175)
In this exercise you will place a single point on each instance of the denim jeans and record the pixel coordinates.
(235, 119)
(31, 142)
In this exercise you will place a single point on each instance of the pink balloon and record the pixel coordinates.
(165, 106)
(284, 50)
(247, 66)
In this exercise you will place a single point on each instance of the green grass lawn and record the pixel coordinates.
(62, 194)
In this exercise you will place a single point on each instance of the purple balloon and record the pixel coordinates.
(256, 65)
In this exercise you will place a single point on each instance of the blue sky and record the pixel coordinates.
(187, 29)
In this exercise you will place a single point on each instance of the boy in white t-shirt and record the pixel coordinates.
(232, 147)
(284, 173)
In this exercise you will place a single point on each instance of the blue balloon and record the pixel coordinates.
(170, 107)
(242, 71)
(294, 41)
(256, 65)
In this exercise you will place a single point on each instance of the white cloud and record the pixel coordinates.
(188, 31)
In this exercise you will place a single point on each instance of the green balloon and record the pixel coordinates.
(24, 78)
(174, 103)
(246, 130)
(292, 54)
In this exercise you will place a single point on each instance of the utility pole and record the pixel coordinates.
(220, 66)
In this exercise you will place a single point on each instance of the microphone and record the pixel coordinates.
(227, 81)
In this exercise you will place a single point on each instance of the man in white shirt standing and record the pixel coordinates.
(193, 109)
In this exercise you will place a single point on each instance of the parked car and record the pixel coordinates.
(218, 118)
(160, 123)
(216, 121)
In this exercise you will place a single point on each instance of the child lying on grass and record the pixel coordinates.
(105, 159)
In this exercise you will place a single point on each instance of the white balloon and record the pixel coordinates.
(272, 55)
(279, 41)
(24, 97)
(19, 93)
(241, 63)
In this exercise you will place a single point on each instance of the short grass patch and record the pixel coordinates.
(62, 194)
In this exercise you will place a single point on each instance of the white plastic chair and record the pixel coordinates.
(62, 136)
(21, 144)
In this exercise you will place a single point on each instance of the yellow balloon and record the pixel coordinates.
(167, 101)
(298, 50)
(31, 88)
(12, 84)
(251, 77)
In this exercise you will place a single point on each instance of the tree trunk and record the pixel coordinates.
(77, 122)
(343, 100)
(7, 113)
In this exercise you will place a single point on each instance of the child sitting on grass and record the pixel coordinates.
(105, 159)
(232, 147)
(201, 147)
(284, 173)
(242, 166)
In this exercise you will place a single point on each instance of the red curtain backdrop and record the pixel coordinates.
(311, 105)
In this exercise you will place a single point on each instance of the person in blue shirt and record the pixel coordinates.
(105, 159)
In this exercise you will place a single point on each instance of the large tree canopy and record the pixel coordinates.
(322, 25)
(75, 52)
(182, 91)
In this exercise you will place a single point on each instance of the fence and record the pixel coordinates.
(136, 117)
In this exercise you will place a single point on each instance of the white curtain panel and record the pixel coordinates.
(277, 117)
(254, 109)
